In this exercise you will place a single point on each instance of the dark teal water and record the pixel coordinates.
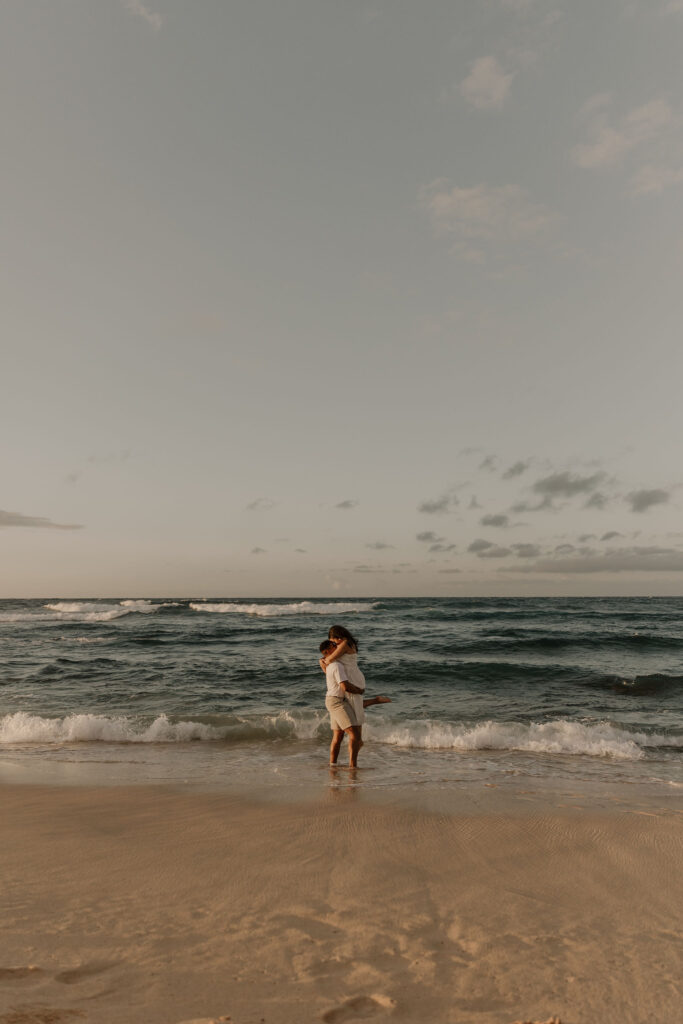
(573, 688)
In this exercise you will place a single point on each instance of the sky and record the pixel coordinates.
(356, 297)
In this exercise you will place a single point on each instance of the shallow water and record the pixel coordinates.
(228, 693)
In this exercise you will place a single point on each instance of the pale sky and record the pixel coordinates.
(315, 297)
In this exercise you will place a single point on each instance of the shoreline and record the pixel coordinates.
(443, 782)
(152, 904)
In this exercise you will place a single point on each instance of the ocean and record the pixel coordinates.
(558, 694)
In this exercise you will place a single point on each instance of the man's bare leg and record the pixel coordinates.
(335, 745)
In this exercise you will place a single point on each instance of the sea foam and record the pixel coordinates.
(85, 611)
(86, 728)
(601, 739)
(295, 608)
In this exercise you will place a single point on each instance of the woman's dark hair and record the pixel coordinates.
(341, 633)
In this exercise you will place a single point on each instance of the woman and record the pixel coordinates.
(346, 652)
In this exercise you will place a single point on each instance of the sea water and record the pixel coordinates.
(554, 693)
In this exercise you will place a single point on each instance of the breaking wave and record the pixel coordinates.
(85, 611)
(561, 736)
(557, 737)
(295, 608)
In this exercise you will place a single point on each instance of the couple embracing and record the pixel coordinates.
(345, 692)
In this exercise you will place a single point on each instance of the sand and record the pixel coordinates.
(159, 907)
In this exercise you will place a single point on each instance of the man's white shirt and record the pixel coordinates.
(335, 673)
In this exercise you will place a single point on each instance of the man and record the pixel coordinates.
(345, 702)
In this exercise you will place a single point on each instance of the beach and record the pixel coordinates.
(175, 849)
(148, 904)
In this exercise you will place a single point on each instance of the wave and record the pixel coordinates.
(601, 739)
(646, 685)
(22, 727)
(86, 611)
(557, 737)
(519, 641)
(295, 608)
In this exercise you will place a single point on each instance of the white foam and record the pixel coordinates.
(24, 728)
(559, 737)
(85, 611)
(145, 607)
(296, 608)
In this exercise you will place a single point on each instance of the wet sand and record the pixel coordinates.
(141, 905)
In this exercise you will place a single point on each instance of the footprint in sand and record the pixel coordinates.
(81, 973)
(359, 1008)
(19, 973)
(39, 1015)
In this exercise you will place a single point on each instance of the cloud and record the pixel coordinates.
(474, 504)
(489, 463)
(435, 543)
(379, 545)
(526, 550)
(260, 505)
(439, 505)
(495, 552)
(347, 504)
(258, 551)
(300, 551)
(641, 501)
(652, 179)
(483, 215)
(515, 470)
(608, 143)
(635, 559)
(485, 549)
(394, 569)
(487, 86)
(497, 520)
(37, 522)
(154, 20)
(610, 535)
(450, 571)
(566, 485)
(524, 506)
(597, 500)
